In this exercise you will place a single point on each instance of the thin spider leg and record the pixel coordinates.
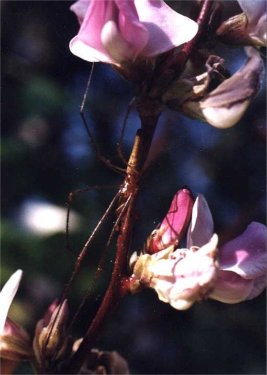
(99, 268)
(80, 259)
(115, 226)
(125, 120)
(88, 131)
(69, 204)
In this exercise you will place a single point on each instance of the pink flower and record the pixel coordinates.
(115, 31)
(179, 276)
(232, 273)
(242, 261)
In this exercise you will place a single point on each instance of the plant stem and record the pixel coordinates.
(149, 114)
(202, 20)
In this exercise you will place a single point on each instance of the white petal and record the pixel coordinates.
(7, 295)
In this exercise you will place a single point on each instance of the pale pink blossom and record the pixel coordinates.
(115, 31)
(231, 273)
(181, 276)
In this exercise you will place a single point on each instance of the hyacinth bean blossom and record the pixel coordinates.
(121, 30)
(231, 273)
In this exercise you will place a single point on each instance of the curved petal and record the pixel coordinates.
(231, 288)
(201, 227)
(177, 218)
(7, 295)
(85, 52)
(87, 44)
(167, 28)
(79, 8)
(246, 254)
(174, 223)
(131, 29)
(115, 45)
(260, 29)
(149, 27)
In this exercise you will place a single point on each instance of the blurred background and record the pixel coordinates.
(46, 154)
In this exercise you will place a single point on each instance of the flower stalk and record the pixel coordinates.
(129, 195)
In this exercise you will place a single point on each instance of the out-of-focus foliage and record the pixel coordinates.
(46, 155)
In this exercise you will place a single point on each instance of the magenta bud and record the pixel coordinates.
(174, 224)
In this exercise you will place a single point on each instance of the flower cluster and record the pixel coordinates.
(231, 273)
(122, 32)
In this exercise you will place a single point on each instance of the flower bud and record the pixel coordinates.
(15, 346)
(248, 28)
(234, 31)
(51, 344)
(173, 225)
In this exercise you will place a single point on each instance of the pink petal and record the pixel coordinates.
(167, 28)
(131, 28)
(177, 217)
(79, 8)
(13, 329)
(246, 254)
(231, 288)
(87, 44)
(150, 27)
(201, 227)
(117, 47)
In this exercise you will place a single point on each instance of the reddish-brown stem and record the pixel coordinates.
(189, 47)
(129, 192)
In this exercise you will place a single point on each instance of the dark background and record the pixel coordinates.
(46, 154)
